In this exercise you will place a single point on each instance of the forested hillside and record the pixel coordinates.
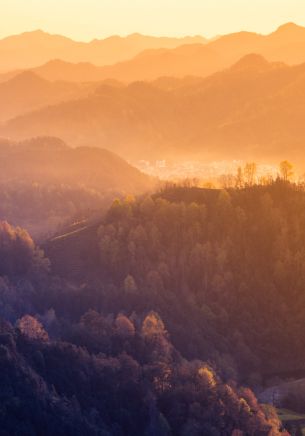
(208, 261)
(75, 371)
(152, 230)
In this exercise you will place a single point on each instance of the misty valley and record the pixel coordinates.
(152, 235)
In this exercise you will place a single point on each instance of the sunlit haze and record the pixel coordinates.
(152, 217)
(88, 19)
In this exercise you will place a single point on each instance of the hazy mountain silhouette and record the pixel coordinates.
(252, 110)
(194, 59)
(254, 62)
(147, 58)
(286, 44)
(28, 91)
(15, 53)
(128, 120)
(48, 160)
(81, 72)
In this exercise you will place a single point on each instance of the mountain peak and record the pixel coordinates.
(290, 29)
(27, 76)
(24, 80)
(56, 62)
(38, 32)
(253, 61)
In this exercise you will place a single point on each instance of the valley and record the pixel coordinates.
(152, 238)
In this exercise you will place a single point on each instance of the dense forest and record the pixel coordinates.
(208, 261)
(101, 374)
(152, 253)
(178, 300)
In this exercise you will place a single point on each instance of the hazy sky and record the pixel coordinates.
(88, 19)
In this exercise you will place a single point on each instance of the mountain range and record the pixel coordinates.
(286, 44)
(15, 53)
(139, 57)
(252, 110)
(191, 101)
(27, 91)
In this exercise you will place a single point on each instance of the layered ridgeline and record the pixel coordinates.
(253, 110)
(14, 51)
(27, 91)
(44, 183)
(287, 45)
(74, 371)
(138, 57)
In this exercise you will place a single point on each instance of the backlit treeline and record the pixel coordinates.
(245, 176)
(249, 176)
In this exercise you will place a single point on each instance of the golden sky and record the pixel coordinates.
(88, 19)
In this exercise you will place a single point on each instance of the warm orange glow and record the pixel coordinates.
(88, 19)
(152, 217)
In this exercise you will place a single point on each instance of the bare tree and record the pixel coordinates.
(250, 173)
(286, 170)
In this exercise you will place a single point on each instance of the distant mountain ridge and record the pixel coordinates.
(252, 110)
(139, 57)
(15, 53)
(28, 91)
(195, 59)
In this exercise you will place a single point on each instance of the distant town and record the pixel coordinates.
(204, 172)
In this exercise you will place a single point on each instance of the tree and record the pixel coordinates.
(124, 326)
(207, 377)
(153, 325)
(250, 173)
(130, 286)
(286, 170)
(33, 329)
(226, 181)
(239, 178)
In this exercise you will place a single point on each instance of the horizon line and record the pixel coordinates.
(127, 35)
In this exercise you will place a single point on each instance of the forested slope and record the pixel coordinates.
(225, 268)
(74, 371)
